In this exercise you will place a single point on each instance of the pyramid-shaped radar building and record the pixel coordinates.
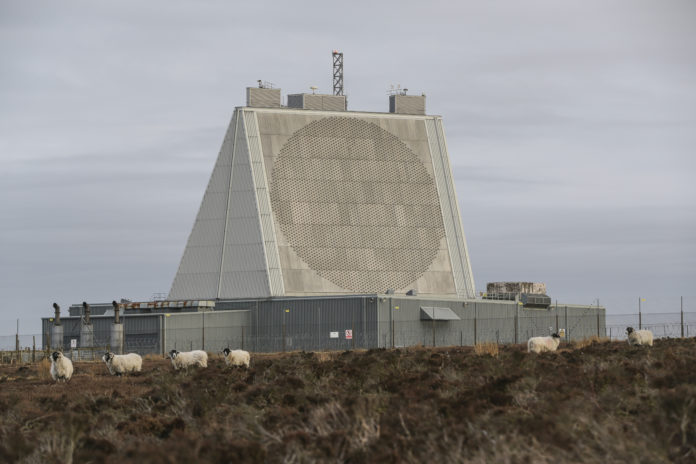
(311, 199)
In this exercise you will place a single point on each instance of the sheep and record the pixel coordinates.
(236, 357)
(639, 337)
(119, 364)
(539, 344)
(61, 367)
(188, 358)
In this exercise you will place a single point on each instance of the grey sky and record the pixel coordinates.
(571, 128)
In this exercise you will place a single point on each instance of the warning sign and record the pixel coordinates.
(73, 343)
(349, 334)
(333, 334)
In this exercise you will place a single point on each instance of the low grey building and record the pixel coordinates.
(326, 323)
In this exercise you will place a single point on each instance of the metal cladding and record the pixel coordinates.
(304, 202)
(311, 101)
(262, 97)
(335, 322)
(407, 104)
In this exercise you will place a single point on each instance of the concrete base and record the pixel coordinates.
(116, 340)
(57, 337)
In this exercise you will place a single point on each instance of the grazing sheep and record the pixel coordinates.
(182, 360)
(639, 337)
(119, 364)
(61, 367)
(236, 357)
(539, 344)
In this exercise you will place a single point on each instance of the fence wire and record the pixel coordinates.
(378, 334)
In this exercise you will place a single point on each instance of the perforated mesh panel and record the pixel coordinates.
(357, 205)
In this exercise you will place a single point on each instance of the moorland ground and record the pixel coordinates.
(587, 402)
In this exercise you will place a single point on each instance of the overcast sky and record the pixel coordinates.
(571, 129)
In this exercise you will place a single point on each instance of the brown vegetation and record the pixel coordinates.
(603, 402)
(487, 348)
(585, 342)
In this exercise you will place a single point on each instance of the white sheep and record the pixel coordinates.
(61, 367)
(639, 337)
(182, 360)
(539, 344)
(119, 364)
(236, 357)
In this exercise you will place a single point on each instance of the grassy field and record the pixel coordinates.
(589, 402)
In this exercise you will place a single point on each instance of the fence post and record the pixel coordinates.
(352, 331)
(391, 320)
(640, 316)
(242, 337)
(566, 325)
(433, 326)
(475, 325)
(598, 335)
(681, 309)
(33, 349)
(517, 311)
(203, 331)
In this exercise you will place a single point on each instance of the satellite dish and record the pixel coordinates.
(314, 89)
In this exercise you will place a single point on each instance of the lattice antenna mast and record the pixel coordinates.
(337, 72)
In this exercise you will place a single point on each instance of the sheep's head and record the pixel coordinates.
(173, 354)
(555, 335)
(226, 351)
(56, 355)
(629, 330)
(108, 356)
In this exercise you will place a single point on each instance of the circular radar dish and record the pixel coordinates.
(356, 205)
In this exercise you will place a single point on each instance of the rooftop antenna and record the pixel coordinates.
(396, 90)
(337, 72)
(313, 88)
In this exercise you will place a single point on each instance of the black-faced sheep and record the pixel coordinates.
(539, 344)
(639, 337)
(182, 360)
(119, 364)
(61, 367)
(236, 357)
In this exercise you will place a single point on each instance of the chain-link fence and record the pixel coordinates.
(662, 325)
(571, 325)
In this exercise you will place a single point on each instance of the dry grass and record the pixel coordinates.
(585, 342)
(604, 403)
(43, 369)
(323, 356)
(488, 348)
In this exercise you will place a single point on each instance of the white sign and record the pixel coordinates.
(73, 343)
(333, 334)
(561, 333)
(349, 334)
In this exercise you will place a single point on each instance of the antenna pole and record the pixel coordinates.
(337, 72)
